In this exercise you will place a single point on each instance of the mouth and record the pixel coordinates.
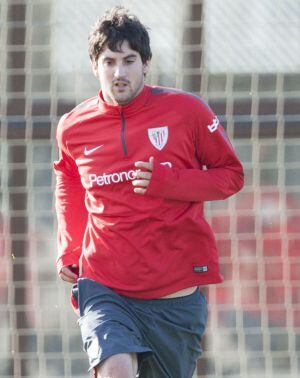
(120, 84)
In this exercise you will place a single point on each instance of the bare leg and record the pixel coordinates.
(123, 365)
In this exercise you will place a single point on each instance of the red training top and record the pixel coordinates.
(142, 246)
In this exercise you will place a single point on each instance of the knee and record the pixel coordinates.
(118, 366)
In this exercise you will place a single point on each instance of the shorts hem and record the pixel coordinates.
(146, 352)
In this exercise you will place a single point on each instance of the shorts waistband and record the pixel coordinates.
(167, 302)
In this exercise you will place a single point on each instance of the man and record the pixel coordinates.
(129, 198)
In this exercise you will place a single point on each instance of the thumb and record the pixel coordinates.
(151, 160)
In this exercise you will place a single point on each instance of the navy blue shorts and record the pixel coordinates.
(165, 333)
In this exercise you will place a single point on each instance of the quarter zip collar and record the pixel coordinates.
(134, 106)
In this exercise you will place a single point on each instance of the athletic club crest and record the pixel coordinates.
(158, 136)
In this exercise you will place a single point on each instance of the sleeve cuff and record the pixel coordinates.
(158, 178)
(66, 260)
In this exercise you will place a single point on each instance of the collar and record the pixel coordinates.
(134, 106)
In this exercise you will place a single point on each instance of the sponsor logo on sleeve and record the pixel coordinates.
(213, 127)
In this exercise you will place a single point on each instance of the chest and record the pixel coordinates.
(111, 145)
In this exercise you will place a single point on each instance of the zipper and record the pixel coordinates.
(123, 134)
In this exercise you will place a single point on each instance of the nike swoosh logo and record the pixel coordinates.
(88, 152)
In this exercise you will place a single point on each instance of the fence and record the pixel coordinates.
(244, 59)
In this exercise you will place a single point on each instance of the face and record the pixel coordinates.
(121, 74)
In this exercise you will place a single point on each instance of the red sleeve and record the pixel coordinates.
(223, 173)
(70, 206)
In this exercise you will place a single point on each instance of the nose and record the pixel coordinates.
(119, 71)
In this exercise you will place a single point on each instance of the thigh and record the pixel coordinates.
(173, 329)
(106, 324)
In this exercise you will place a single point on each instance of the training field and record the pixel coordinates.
(243, 57)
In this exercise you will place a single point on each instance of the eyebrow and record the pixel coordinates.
(125, 57)
(130, 56)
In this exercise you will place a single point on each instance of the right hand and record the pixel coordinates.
(68, 273)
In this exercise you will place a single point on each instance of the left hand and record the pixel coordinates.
(69, 273)
(143, 176)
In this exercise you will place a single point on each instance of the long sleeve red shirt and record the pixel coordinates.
(143, 246)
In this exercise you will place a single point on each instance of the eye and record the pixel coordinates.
(129, 61)
(108, 62)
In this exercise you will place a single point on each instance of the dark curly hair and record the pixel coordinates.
(116, 26)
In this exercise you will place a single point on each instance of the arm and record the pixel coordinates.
(222, 177)
(70, 210)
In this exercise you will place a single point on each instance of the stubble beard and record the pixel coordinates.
(123, 98)
(129, 94)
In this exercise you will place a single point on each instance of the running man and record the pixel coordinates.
(136, 164)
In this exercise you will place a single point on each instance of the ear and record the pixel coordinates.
(95, 69)
(146, 67)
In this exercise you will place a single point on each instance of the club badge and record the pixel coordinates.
(159, 136)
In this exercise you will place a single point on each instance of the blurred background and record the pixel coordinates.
(243, 57)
